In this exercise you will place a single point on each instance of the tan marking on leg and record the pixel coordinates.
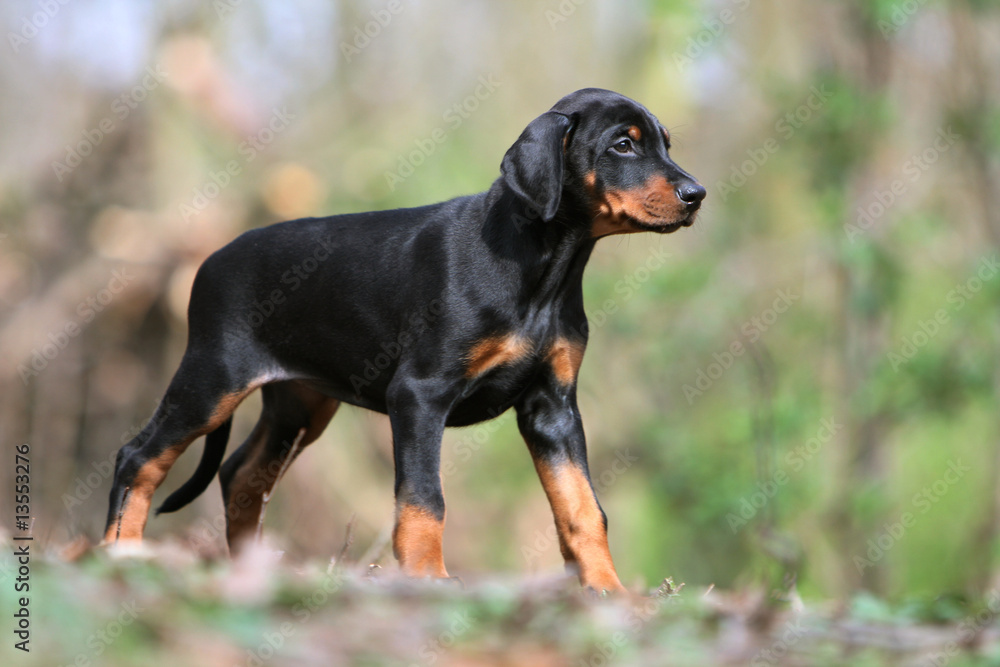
(244, 499)
(565, 357)
(134, 511)
(579, 523)
(259, 471)
(135, 505)
(225, 407)
(417, 542)
(489, 353)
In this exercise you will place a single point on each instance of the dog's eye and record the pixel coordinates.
(624, 147)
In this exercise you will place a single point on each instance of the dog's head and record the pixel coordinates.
(610, 154)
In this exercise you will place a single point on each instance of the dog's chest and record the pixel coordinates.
(501, 363)
(494, 389)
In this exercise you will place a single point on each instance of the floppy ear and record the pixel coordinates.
(533, 166)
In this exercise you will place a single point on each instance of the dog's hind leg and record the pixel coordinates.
(200, 399)
(254, 468)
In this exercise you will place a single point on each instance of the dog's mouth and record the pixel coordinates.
(656, 210)
(667, 228)
(663, 226)
(662, 212)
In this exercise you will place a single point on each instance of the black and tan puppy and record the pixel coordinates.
(443, 315)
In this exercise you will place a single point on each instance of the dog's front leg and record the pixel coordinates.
(549, 421)
(418, 411)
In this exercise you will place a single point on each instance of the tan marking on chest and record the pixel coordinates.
(491, 352)
(565, 357)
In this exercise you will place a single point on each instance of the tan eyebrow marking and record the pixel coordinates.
(635, 133)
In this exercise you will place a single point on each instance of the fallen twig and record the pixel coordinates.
(266, 497)
(348, 541)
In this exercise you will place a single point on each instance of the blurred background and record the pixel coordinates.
(802, 387)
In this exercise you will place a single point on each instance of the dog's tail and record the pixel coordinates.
(211, 459)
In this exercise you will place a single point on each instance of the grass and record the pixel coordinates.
(172, 606)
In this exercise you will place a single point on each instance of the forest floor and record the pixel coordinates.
(171, 606)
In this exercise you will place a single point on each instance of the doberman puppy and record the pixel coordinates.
(442, 315)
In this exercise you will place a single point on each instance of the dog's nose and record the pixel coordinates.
(691, 193)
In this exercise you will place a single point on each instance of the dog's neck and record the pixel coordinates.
(551, 255)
